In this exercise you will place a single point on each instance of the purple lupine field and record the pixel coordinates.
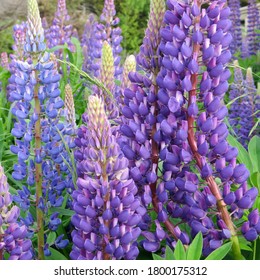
(133, 134)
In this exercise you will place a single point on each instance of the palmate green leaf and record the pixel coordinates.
(169, 255)
(195, 248)
(220, 253)
(157, 258)
(179, 251)
(254, 153)
(243, 156)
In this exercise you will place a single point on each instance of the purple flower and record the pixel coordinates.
(107, 210)
(14, 239)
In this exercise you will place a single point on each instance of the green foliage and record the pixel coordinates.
(130, 13)
(194, 251)
(220, 253)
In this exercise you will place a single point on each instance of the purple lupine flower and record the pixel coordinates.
(5, 60)
(244, 110)
(13, 237)
(34, 31)
(129, 66)
(235, 29)
(237, 89)
(97, 34)
(87, 43)
(253, 37)
(251, 228)
(140, 126)
(254, 101)
(59, 33)
(106, 206)
(246, 118)
(244, 48)
(195, 44)
(38, 131)
(113, 33)
(19, 36)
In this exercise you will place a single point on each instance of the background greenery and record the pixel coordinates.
(133, 15)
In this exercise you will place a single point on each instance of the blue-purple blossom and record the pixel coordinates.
(60, 32)
(235, 28)
(42, 157)
(253, 37)
(98, 33)
(107, 210)
(14, 241)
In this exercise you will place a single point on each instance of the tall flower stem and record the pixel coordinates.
(38, 177)
(193, 145)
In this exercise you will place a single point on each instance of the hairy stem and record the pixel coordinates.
(210, 179)
(38, 177)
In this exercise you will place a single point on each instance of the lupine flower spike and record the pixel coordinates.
(106, 206)
(253, 37)
(37, 130)
(235, 29)
(192, 128)
(14, 239)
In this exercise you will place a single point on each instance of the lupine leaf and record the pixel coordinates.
(51, 238)
(157, 258)
(195, 249)
(169, 255)
(220, 253)
(179, 251)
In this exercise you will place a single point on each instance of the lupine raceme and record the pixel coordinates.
(235, 28)
(38, 132)
(107, 208)
(188, 130)
(253, 36)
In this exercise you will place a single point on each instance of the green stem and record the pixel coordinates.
(38, 177)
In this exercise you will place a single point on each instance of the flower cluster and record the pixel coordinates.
(42, 157)
(244, 111)
(235, 28)
(253, 37)
(186, 124)
(59, 33)
(97, 34)
(13, 237)
(106, 206)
